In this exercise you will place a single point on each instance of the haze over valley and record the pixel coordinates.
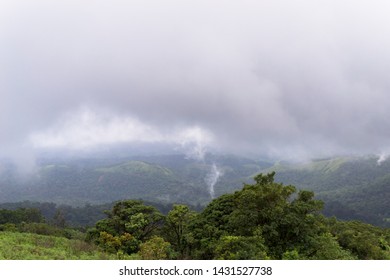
(266, 81)
(260, 129)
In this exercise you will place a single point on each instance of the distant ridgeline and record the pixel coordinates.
(165, 179)
(73, 216)
(352, 188)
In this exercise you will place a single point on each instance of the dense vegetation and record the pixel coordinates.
(31, 246)
(164, 179)
(66, 215)
(25, 235)
(353, 188)
(263, 220)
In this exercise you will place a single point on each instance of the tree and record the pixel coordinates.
(267, 210)
(130, 220)
(27, 215)
(176, 229)
(59, 219)
(326, 247)
(155, 248)
(286, 222)
(213, 223)
(231, 247)
(365, 241)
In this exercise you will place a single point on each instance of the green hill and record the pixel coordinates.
(137, 168)
(164, 179)
(351, 187)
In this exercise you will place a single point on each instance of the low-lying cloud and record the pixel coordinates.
(87, 129)
(284, 79)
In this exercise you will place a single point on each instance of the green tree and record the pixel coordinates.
(286, 222)
(326, 247)
(27, 215)
(365, 241)
(128, 218)
(59, 219)
(271, 211)
(177, 229)
(156, 248)
(210, 225)
(231, 247)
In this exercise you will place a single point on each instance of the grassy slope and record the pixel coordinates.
(29, 246)
(137, 168)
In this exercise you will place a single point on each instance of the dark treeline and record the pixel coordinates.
(78, 217)
(20, 215)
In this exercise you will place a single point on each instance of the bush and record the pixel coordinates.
(8, 227)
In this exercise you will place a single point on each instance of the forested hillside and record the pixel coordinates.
(351, 187)
(166, 179)
(262, 220)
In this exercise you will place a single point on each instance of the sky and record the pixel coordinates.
(282, 79)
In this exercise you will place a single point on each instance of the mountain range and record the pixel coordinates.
(351, 187)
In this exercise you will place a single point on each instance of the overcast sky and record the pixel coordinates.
(280, 78)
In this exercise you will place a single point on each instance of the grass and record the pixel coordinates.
(30, 246)
(137, 167)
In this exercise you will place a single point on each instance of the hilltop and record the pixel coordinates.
(351, 187)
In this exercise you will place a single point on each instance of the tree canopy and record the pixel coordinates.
(263, 220)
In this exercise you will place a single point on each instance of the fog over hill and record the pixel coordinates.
(163, 178)
(278, 79)
(351, 187)
(94, 96)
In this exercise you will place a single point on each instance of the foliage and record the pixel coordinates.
(351, 187)
(115, 244)
(176, 229)
(128, 224)
(28, 215)
(265, 210)
(263, 220)
(165, 179)
(240, 248)
(155, 248)
(365, 241)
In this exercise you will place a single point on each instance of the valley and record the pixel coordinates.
(351, 187)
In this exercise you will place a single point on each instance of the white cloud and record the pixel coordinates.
(195, 141)
(87, 128)
(382, 157)
(289, 78)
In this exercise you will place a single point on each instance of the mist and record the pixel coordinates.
(281, 79)
(212, 178)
